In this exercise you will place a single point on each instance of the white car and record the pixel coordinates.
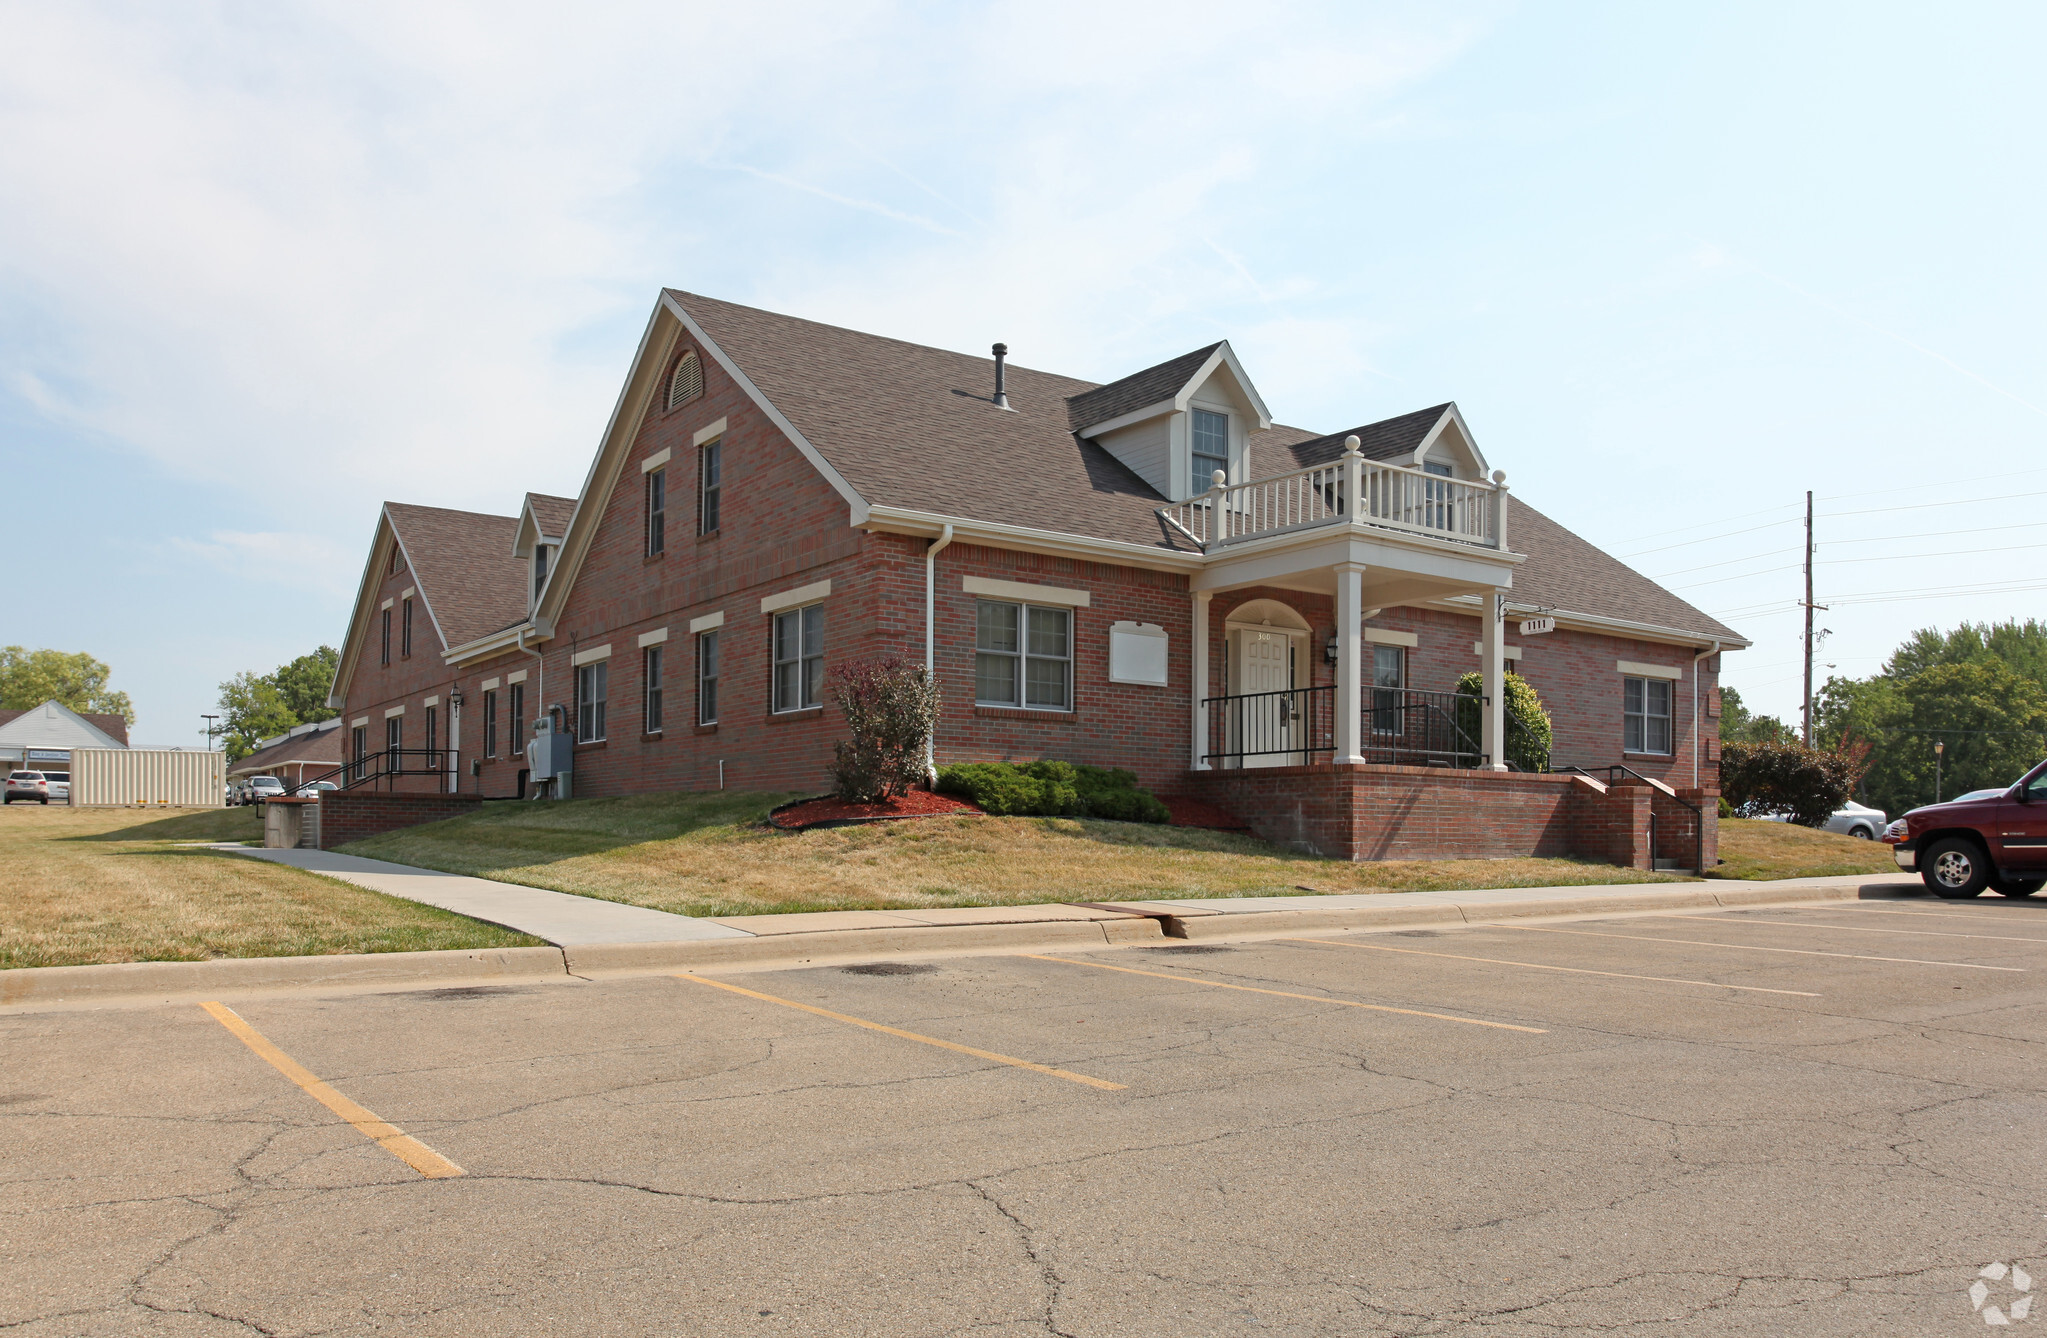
(60, 785)
(27, 785)
(1856, 820)
(264, 787)
(312, 791)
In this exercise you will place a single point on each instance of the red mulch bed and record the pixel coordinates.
(1195, 813)
(830, 811)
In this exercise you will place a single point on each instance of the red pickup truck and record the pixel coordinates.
(1997, 842)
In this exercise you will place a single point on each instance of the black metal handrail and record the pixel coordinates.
(1698, 813)
(387, 766)
(1397, 726)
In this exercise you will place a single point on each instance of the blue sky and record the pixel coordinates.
(263, 266)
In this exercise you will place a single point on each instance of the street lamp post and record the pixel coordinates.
(1938, 749)
(209, 719)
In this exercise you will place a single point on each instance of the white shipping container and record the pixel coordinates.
(150, 777)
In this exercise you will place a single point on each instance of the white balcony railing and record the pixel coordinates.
(1393, 497)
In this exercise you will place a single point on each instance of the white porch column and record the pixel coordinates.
(1199, 660)
(1492, 647)
(1350, 636)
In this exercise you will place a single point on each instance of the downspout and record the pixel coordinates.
(943, 540)
(1704, 654)
(540, 693)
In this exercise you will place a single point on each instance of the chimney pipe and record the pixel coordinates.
(1001, 395)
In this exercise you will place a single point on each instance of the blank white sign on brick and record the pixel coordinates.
(1137, 654)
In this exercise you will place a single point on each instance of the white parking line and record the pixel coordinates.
(1977, 916)
(1848, 929)
(1750, 947)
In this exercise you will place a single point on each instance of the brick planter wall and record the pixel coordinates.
(1380, 812)
(351, 815)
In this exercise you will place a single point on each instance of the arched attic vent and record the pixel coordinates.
(686, 382)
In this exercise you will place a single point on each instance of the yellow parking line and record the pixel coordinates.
(1544, 966)
(1750, 947)
(1011, 1060)
(395, 1141)
(1311, 998)
(1852, 929)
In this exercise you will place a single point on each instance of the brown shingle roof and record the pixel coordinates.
(551, 512)
(313, 747)
(462, 562)
(1384, 440)
(915, 427)
(1565, 572)
(1137, 390)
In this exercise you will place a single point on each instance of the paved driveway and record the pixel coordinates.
(1806, 1121)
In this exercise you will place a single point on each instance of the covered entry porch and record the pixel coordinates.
(1272, 689)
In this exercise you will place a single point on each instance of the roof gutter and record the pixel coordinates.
(937, 546)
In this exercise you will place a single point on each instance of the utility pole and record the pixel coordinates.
(1806, 723)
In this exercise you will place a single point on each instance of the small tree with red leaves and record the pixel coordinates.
(891, 707)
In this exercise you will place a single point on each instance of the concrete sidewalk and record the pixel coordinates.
(561, 918)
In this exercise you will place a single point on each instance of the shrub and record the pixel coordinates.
(1050, 789)
(891, 707)
(1528, 727)
(1759, 779)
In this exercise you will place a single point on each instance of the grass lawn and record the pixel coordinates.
(711, 854)
(1751, 849)
(116, 885)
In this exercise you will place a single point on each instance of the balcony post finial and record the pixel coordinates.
(1351, 444)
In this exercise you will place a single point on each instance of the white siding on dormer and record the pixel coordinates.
(1146, 448)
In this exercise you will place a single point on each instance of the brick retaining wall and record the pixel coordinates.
(1382, 812)
(351, 815)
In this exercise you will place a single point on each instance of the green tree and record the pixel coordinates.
(304, 683)
(1738, 725)
(261, 706)
(28, 678)
(1991, 720)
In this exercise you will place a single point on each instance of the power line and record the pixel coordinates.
(1841, 562)
(1892, 597)
(1867, 511)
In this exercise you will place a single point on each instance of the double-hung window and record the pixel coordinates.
(394, 738)
(539, 569)
(707, 678)
(515, 719)
(650, 690)
(710, 472)
(386, 656)
(799, 658)
(1023, 655)
(657, 512)
(1211, 448)
(405, 635)
(490, 723)
(360, 745)
(433, 731)
(1646, 710)
(590, 701)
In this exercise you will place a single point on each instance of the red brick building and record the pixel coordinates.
(1150, 574)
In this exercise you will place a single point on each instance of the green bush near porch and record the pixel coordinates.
(1052, 789)
(1529, 733)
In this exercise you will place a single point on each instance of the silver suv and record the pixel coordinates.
(27, 785)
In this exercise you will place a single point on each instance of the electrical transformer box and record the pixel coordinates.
(551, 752)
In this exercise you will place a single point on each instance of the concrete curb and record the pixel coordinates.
(142, 981)
(146, 982)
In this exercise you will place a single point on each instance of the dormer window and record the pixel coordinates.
(539, 569)
(686, 382)
(1211, 439)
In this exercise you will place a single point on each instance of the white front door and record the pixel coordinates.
(1267, 723)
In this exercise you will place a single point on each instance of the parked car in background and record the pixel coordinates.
(1856, 820)
(27, 785)
(1993, 840)
(60, 785)
(264, 787)
(313, 790)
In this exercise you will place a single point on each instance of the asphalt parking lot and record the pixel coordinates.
(1796, 1120)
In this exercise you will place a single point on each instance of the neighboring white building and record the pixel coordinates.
(42, 737)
